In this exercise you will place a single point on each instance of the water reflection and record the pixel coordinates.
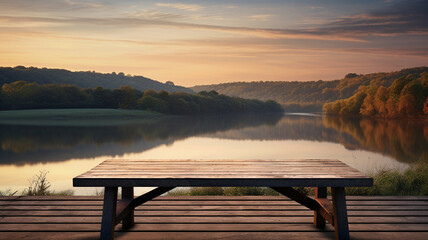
(34, 144)
(405, 141)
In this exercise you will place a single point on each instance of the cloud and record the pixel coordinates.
(50, 5)
(182, 6)
(398, 19)
(231, 6)
(156, 15)
(134, 22)
(262, 17)
(405, 17)
(86, 4)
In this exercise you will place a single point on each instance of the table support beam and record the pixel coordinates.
(334, 213)
(298, 197)
(319, 220)
(114, 212)
(127, 205)
(128, 219)
(108, 221)
(341, 227)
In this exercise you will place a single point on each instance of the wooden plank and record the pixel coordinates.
(219, 207)
(209, 212)
(213, 235)
(215, 227)
(166, 173)
(286, 202)
(256, 181)
(114, 161)
(223, 219)
(369, 218)
(422, 204)
(211, 198)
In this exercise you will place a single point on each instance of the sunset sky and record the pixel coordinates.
(205, 42)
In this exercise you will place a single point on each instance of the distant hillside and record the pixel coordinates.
(84, 79)
(406, 96)
(309, 96)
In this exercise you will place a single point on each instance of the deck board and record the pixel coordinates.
(211, 217)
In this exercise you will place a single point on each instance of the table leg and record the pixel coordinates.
(319, 221)
(108, 221)
(340, 213)
(128, 220)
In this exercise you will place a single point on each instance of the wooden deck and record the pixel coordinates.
(211, 217)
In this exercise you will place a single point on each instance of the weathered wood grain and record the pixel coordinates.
(227, 218)
(170, 173)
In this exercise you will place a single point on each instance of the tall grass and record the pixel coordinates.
(40, 186)
(8, 193)
(411, 182)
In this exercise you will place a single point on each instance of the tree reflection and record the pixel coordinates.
(33, 144)
(404, 139)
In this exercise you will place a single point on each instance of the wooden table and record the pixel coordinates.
(280, 175)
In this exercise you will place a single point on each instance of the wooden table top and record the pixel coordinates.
(186, 173)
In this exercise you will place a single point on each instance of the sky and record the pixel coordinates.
(207, 42)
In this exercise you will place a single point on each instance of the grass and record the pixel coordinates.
(77, 117)
(411, 182)
(7, 193)
(40, 186)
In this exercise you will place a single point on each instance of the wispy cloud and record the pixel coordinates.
(181, 6)
(398, 19)
(144, 22)
(407, 17)
(231, 6)
(51, 5)
(261, 17)
(86, 4)
(156, 15)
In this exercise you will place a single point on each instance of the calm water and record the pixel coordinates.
(67, 151)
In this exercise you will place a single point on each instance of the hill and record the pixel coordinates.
(84, 79)
(406, 96)
(311, 95)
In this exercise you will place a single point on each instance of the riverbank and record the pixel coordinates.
(77, 117)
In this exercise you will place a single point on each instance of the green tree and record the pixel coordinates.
(128, 98)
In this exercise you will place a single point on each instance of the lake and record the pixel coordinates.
(67, 151)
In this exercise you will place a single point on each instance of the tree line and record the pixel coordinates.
(407, 96)
(31, 95)
(311, 95)
(84, 79)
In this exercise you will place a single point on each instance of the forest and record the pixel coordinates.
(406, 96)
(311, 95)
(84, 79)
(32, 95)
